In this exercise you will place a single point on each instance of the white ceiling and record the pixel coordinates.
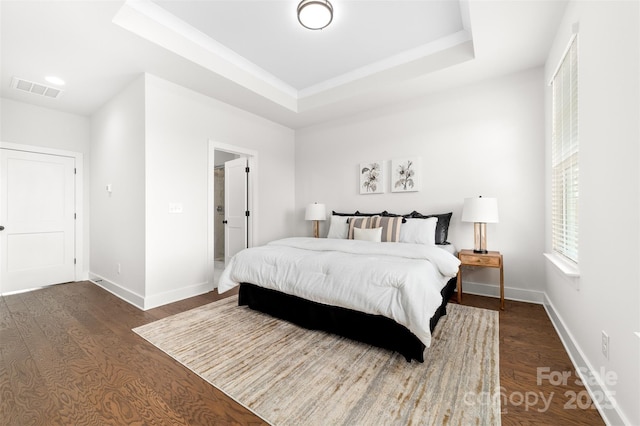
(268, 34)
(255, 55)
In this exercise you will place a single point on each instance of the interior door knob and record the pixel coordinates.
(1, 228)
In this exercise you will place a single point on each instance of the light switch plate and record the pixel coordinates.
(175, 207)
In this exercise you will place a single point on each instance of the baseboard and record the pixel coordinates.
(117, 290)
(492, 290)
(167, 297)
(149, 302)
(600, 395)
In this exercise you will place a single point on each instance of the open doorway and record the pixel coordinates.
(220, 158)
(232, 192)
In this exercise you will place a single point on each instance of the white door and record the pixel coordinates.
(37, 198)
(235, 205)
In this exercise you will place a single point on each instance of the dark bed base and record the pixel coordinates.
(372, 329)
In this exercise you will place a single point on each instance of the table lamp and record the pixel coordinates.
(316, 212)
(481, 211)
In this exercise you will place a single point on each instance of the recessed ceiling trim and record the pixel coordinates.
(400, 59)
(465, 15)
(390, 78)
(152, 22)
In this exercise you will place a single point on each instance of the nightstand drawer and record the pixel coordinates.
(470, 259)
(492, 259)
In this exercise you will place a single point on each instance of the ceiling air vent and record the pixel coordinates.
(36, 88)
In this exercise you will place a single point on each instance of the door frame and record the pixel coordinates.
(252, 198)
(78, 192)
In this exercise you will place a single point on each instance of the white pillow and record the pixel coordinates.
(419, 231)
(368, 234)
(339, 227)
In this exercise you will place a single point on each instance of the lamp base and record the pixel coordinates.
(480, 237)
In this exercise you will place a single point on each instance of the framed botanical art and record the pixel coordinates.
(406, 174)
(371, 177)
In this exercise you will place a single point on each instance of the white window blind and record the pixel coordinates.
(564, 156)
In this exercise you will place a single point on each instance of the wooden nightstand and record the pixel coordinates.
(493, 259)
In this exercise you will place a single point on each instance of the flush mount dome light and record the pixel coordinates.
(315, 14)
(55, 80)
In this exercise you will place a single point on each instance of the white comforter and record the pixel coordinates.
(397, 280)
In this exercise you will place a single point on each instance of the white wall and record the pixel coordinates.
(27, 124)
(151, 144)
(118, 218)
(483, 139)
(607, 294)
(179, 125)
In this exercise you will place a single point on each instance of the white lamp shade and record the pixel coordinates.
(480, 209)
(315, 212)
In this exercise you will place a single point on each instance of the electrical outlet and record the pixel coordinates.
(605, 344)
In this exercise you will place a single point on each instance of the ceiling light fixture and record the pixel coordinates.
(55, 80)
(315, 14)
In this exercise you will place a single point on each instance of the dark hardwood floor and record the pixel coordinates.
(68, 356)
(532, 358)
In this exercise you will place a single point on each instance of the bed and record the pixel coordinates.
(388, 295)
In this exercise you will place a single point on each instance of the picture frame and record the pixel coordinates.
(371, 177)
(406, 174)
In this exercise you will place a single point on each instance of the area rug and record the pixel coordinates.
(289, 375)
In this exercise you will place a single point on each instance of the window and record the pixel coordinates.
(564, 156)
